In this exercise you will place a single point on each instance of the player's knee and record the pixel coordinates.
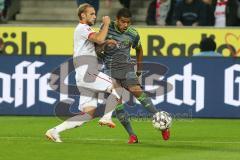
(135, 90)
(90, 111)
(122, 116)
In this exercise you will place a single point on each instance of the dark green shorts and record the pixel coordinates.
(126, 83)
(125, 78)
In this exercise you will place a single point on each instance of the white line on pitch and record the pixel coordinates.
(115, 140)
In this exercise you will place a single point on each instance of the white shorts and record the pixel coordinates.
(89, 85)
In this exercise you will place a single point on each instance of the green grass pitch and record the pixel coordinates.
(195, 139)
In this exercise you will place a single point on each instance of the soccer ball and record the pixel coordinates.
(162, 120)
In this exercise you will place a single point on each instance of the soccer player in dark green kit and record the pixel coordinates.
(118, 65)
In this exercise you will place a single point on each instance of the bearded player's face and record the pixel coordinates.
(123, 23)
(90, 16)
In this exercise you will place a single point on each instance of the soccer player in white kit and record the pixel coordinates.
(88, 79)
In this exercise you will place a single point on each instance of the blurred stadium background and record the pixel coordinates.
(64, 11)
(36, 37)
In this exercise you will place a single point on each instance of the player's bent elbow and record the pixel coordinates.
(96, 39)
(99, 41)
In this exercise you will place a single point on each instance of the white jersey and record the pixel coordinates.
(89, 82)
(82, 46)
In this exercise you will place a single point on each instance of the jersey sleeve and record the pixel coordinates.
(86, 31)
(136, 42)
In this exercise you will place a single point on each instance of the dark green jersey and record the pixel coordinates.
(117, 58)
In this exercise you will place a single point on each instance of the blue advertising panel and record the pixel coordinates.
(194, 87)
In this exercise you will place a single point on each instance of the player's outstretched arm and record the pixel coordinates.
(100, 37)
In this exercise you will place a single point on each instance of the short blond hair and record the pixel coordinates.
(82, 8)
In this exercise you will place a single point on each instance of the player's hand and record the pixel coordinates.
(106, 20)
(111, 42)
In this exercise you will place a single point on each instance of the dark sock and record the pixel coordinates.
(147, 103)
(122, 116)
